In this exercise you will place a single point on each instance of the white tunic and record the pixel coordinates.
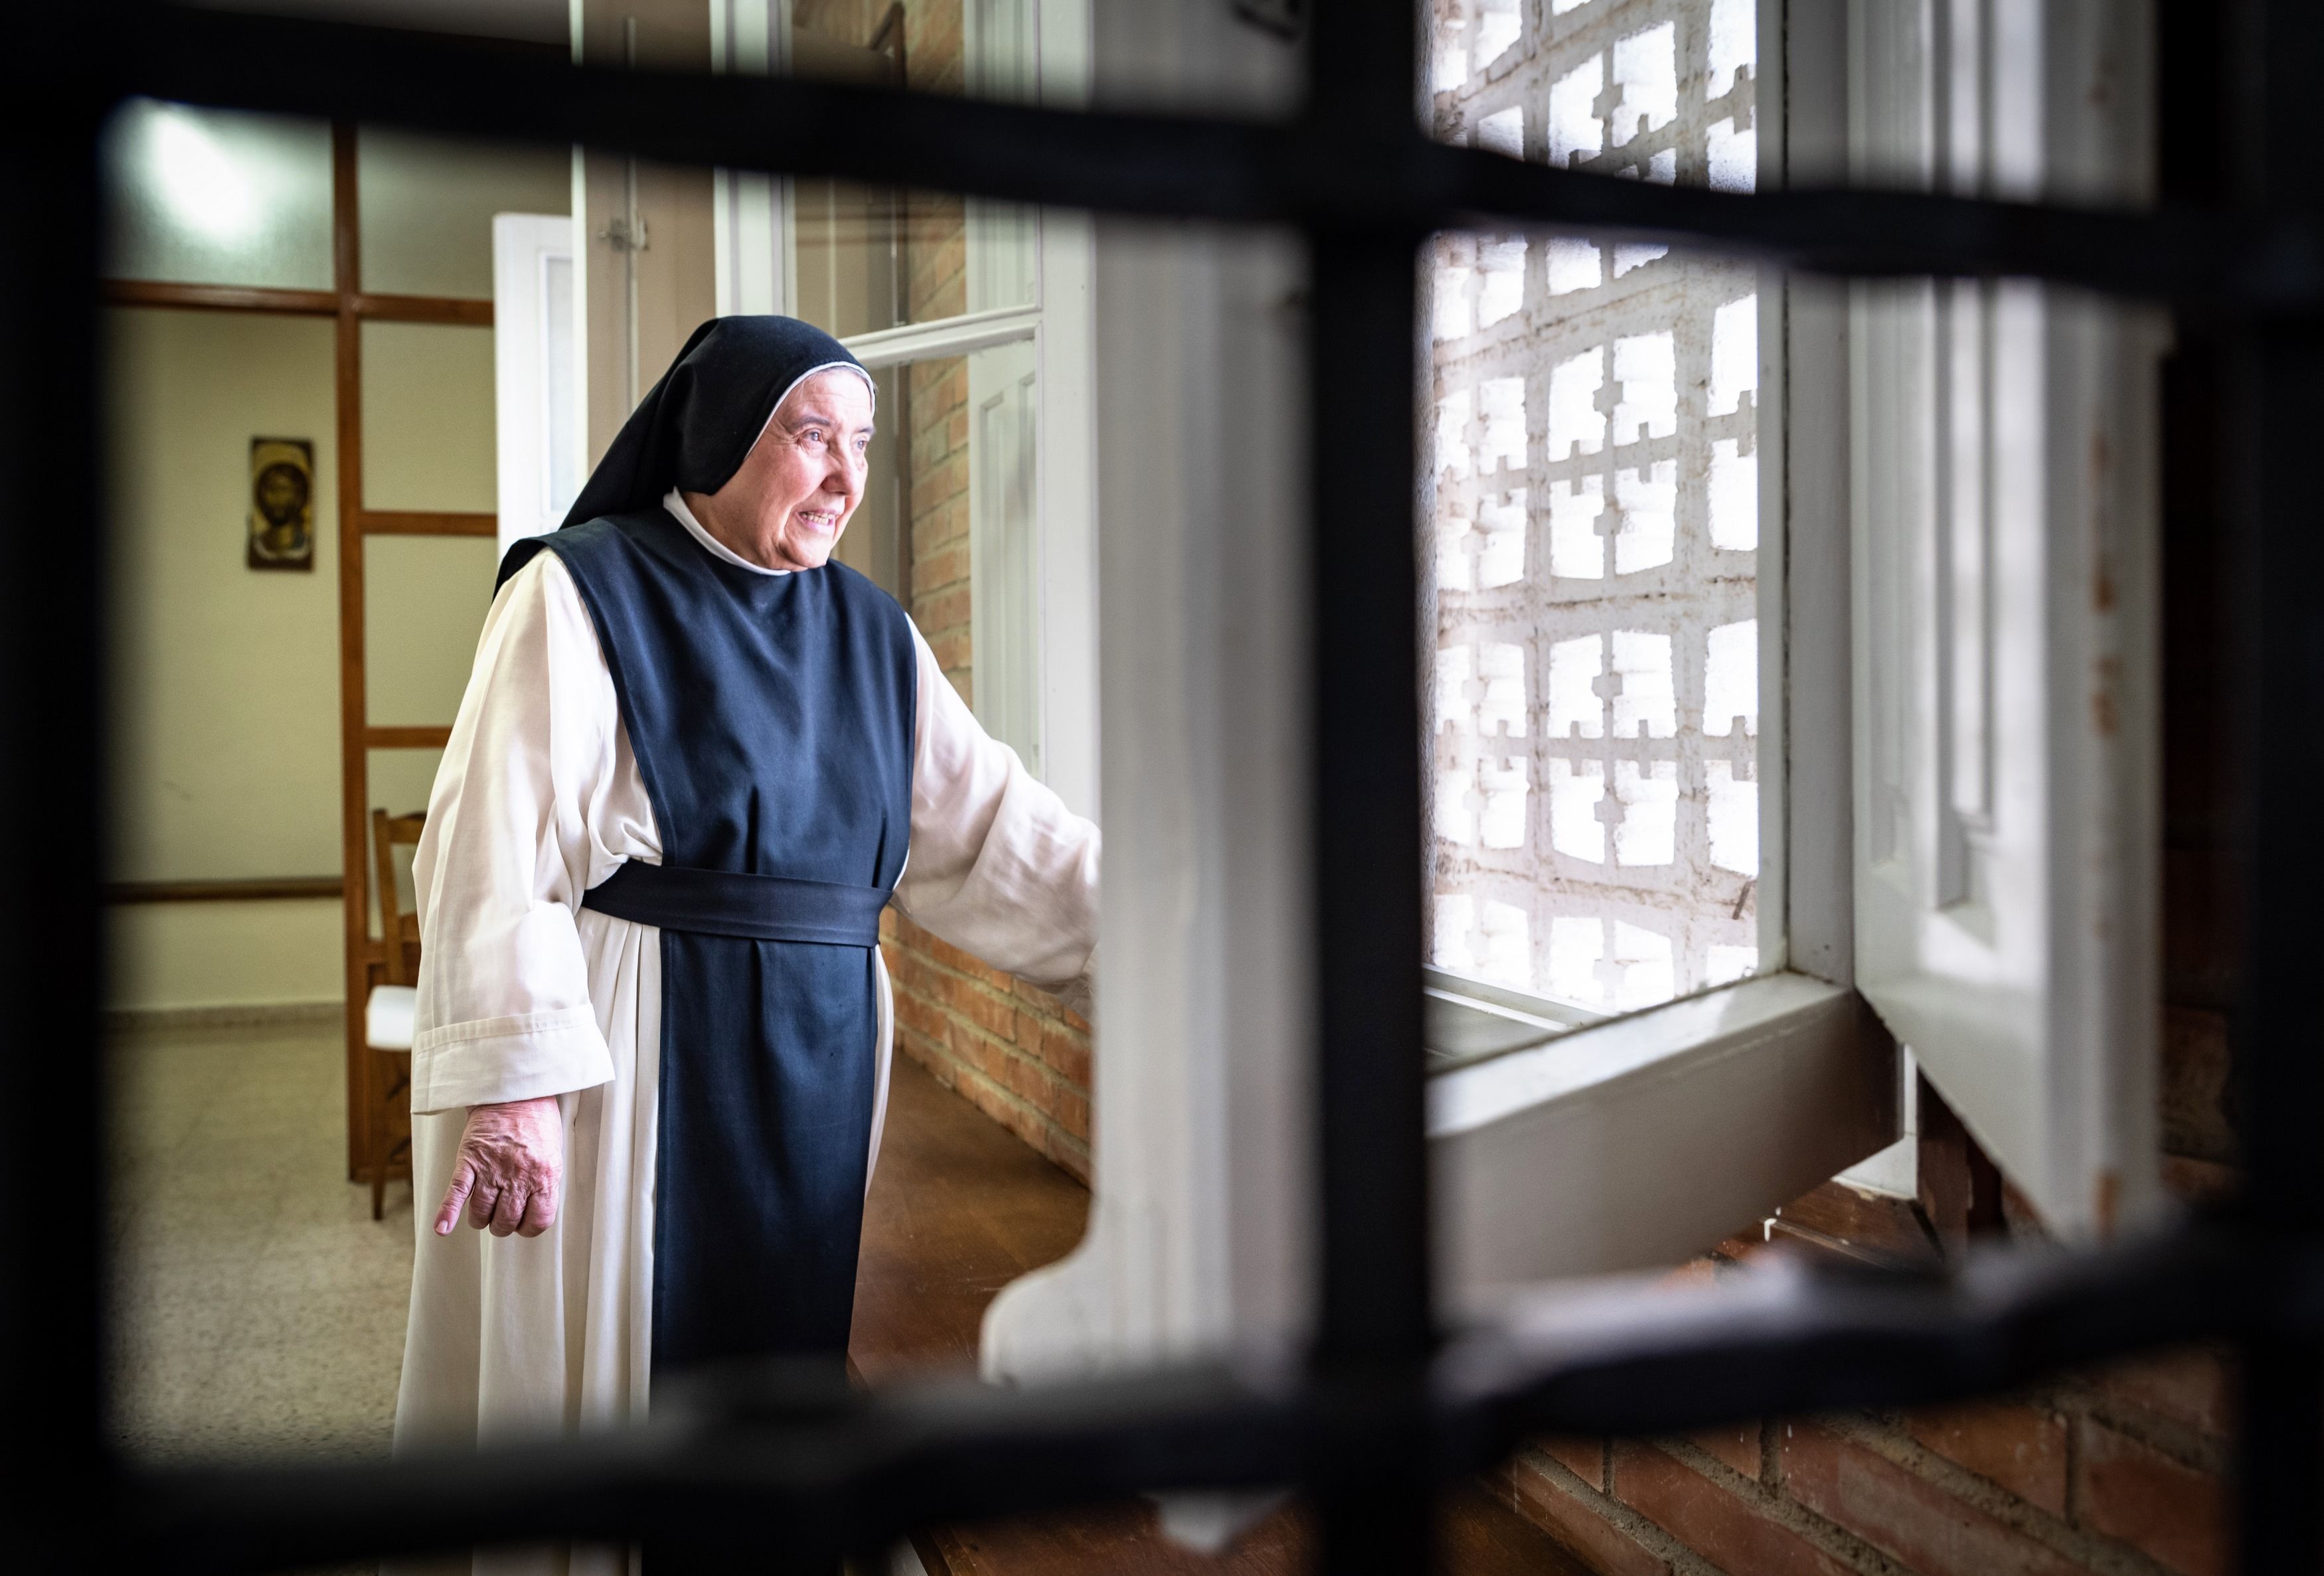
(522, 992)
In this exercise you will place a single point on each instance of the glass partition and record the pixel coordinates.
(218, 196)
(872, 258)
(424, 603)
(428, 205)
(428, 403)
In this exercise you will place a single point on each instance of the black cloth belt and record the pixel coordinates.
(726, 903)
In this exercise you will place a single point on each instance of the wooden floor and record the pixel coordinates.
(958, 1209)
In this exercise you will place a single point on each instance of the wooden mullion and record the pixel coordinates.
(426, 523)
(353, 758)
(422, 737)
(218, 298)
(244, 889)
(457, 310)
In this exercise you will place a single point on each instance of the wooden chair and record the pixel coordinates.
(388, 1012)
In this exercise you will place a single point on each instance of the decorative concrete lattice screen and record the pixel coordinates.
(1596, 520)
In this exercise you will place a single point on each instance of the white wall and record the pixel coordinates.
(224, 678)
(225, 711)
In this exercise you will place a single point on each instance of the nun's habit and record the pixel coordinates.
(717, 1029)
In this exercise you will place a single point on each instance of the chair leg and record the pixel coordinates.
(378, 1127)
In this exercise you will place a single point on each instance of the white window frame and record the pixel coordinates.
(1635, 1142)
(1057, 646)
(2006, 575)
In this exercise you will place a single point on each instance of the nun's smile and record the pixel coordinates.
(787, 505)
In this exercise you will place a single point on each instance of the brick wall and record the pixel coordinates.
(1012, 1049)
(937, 509)
(2119, 1471)
(1015, 1051)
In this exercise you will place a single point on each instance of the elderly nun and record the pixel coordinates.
(695, 760)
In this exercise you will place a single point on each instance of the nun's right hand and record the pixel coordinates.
(510, 1165)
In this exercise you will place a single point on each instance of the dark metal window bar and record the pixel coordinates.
(1386, 1406)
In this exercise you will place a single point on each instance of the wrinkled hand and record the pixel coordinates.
(512, 1161)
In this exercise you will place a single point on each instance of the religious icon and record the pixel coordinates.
(281, 503)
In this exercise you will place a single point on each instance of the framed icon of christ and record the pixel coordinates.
(282, 521)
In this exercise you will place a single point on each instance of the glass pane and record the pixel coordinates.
(217, 196)
(428, 411)
(873, 541)
(1594, 458)
(968, 425)
(426, 206)
(867, 259)
(424, 603)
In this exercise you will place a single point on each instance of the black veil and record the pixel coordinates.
(695, 428)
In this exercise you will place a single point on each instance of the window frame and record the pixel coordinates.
(1767, 1087)
(1380, 1406)
(1200, 1113)
(1806, 1085)
(756, 270)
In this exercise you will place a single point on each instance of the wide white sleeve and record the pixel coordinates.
(998, 866)
(503, 1008)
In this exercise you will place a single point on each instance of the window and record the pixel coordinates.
(1684, 548)
(973, 315)
(1963, 699)
(1594, 715)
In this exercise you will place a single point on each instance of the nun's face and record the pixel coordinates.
(795, 493)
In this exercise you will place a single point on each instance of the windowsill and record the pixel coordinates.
(1639, 1143)
(1650, 1043)
(1470, 1020)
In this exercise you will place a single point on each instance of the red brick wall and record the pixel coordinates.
(1011, 1048)
(1017, 1052)
(2119, 1471)
(2112, 1472)
(937, 391)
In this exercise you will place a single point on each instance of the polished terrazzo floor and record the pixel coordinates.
(258, 1308)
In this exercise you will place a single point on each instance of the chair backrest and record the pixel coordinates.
(389, 833)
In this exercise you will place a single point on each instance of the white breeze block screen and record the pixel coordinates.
(1596, 520)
